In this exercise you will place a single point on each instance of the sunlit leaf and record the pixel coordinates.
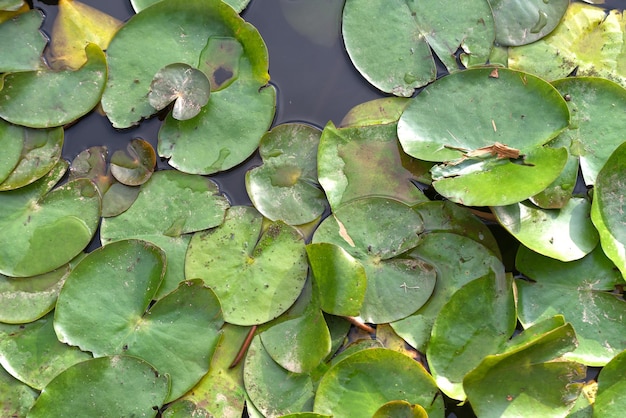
(256, 272)
(33, 354)
(134, 167)
(588, 40)
(75, 26)
(22, 42)
(611, 385)
(580, 291)
(117, 385)
(188, 88)
(477, 320)
(565, 234)
(361, 383)
(400, 409)
(520, 22)
(54, 98)
(11, 5)
(285, 187)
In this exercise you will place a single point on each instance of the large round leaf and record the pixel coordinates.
(187, 204)
(33, 354)
(365, 161)
(434, 127)
(361, 383)
(285, 187)
(565, 234)
(580, 291)
(458, 260)
(22, 42)
(104, 307)
(41, 232)
(385, 44)
(257, 273)
(607, 212)
(377, 232)
(520, 22)
(107, 386)
(54, 98)
(611, 385)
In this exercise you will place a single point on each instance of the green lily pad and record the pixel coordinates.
(106, 386)
(400, 409)
(185, 321)
(54, 98)
(499, 181)
(224, 133)
(523, 22)
(21, 36)
(139, 5)
(31, 152)
(188, 203)
(434, 126)
(580, 291)
(136, 166)
(361, 383)
(285, 187)
(377, 232)
(185, 86)
(559, 192)
(27, 299)
(477, 320)
(17, 398)
(32, 353)
(274, 391)
(384, 43)
(543, 386)
(593, 134)
(458, 260)
(607, 211)
(256, 272)
(118, 198)
(340, 279)
(33, 222)
(611, 384)
(564, 234)
(588, 39)
(366, 161)
(375, 112)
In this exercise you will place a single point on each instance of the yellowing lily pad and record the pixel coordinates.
(136, 166)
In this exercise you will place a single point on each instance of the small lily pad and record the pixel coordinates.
(256, 272)
(285, 187)
(400, 409)
(22, 42)
(92, 164)
(118, 198)
(136, 166)
(611, 384)
(106, 386)
(187, 87)
(54, 98)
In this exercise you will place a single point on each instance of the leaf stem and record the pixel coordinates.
(244, 347)
(357, 323)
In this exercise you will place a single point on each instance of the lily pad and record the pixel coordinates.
(32, 353)
(39, 151)
(560, 191)
(117, 385)
(588, 39)
(185, 321)
(607, 211)
(565, 234)
(366, 161)
(17, 398)
(76, 25)
(54, 98)
(611, 384)
(477, 320)
(34, 221)
(136, 166)
(457, 260)
(593, 133)
(377, 232)
(188, 203)
(543, 386)
(11, 5)
(21, 36)
(285, 187)
(580, 291)
(26, 299)
(523, 22)
(188, 88)
(361, 383)
(400, 409)
(375, 112)
(256, 272)
(434, 126)
(139, 5)
(118, 198)
(92, 164)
